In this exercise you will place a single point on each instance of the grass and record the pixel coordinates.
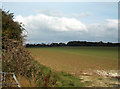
(77, 59)
(60, 79)
(67, 80)
(24, 82)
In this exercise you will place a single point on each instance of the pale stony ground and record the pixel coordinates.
(101, 78)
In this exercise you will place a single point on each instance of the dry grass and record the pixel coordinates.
(26, 82)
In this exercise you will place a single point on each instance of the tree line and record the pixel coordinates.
(75, 43)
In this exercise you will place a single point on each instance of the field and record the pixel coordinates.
(75, 60)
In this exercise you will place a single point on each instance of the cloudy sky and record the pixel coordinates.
(47, 22)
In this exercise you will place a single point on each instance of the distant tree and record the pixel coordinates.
(62, 44)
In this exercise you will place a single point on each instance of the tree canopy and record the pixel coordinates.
(10, 28)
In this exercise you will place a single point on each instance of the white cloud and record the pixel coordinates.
(56, 13)
(82, 14)
(108, 29)
(44, 22)
(44, 28)
(112, 23)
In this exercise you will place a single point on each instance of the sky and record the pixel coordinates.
(47, 22)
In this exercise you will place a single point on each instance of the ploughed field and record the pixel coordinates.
(75, 60)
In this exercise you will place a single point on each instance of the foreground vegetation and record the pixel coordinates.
(18, 60)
